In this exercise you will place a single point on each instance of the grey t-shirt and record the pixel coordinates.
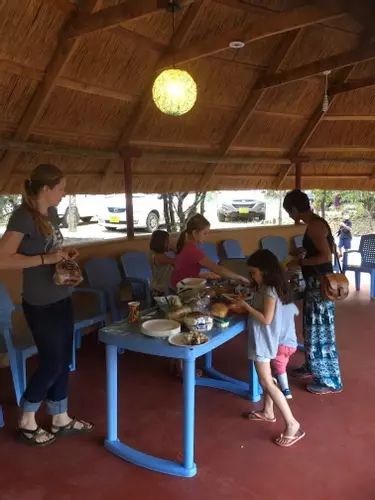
(263, 340)
(39, 288)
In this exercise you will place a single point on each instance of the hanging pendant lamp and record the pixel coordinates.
(174, 91)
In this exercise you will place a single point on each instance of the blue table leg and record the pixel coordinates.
(112, 443)
(111, 359)
(189, 415)
(1, 417)
(208, 361)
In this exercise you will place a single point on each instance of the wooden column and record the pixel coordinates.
(298, 179)
(128, 178)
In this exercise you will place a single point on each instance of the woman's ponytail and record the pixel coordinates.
(42, 175)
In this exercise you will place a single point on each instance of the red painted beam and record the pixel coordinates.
(128, 178)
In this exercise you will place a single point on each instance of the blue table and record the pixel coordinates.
(126, 336)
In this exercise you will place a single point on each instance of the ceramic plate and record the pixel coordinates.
(160, 327)
(178, 340)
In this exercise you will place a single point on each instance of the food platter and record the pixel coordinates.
(160, 328)
(182, 339)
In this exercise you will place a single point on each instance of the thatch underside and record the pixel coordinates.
(68, 84)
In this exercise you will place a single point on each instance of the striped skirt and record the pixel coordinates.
(319, 336)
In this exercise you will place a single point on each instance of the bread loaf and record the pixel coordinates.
(219, 310)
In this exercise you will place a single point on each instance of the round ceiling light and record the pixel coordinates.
(174, 92)
(236, 44)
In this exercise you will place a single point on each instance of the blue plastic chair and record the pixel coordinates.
(232, 249)
(277, 245)
(137, 270)
(103, 274)
(1, 417)
(21, 346)
(367, 252)
(82, 319)
(211, 252)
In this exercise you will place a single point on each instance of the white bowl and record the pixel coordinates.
(199, 322)
(190, 287)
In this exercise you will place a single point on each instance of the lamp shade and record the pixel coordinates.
(174, 92)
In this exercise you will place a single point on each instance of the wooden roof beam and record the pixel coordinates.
(274, 24)
(138, 112)
(357, 84)
(318, 113)
(61, 56)
(65, 6)
(252, 101)
(255, 94)
(343, 60)
(246, 7)
(108, 18)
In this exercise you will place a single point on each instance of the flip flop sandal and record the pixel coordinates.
(30, 438)
(70, 429)
(256, 417)
(291, 440)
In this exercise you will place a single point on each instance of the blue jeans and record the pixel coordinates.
(52, 327)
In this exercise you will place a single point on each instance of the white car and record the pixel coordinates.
(87, 207)
(148, 212)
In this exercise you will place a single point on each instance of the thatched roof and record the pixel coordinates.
(77, 76)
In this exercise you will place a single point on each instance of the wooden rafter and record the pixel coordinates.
(179, 39)
(355, 84)
(318, 113)
(246, 7)
(110, 17)
(252, 101)
(65, 6)
(274, 24)
(255, 94)
(343, 60)
(61, 56)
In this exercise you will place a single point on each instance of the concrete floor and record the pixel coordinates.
(236, 459)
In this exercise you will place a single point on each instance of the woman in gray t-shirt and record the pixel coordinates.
(33, 243)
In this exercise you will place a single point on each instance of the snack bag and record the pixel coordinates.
(68, 273)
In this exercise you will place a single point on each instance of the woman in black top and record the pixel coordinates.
(315, 259)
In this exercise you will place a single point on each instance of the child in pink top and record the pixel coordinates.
(191, 258)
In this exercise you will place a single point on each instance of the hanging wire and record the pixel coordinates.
(173, 6)
(325, 104)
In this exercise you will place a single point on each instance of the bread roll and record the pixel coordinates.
(219, 310)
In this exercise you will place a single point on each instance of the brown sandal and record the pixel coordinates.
(70, 429)
(30, 438)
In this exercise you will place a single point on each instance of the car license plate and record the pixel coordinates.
(114, 220)
(243, 210)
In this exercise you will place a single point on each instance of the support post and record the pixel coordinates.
(128, 178)
(298, 179)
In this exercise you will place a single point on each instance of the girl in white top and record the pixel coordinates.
(264, 329)
(161, 264)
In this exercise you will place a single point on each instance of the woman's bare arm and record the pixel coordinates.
(10, 259)
(264, 317)
(318, 232)
(222, 271)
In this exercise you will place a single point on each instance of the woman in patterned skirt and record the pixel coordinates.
(315, 259)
